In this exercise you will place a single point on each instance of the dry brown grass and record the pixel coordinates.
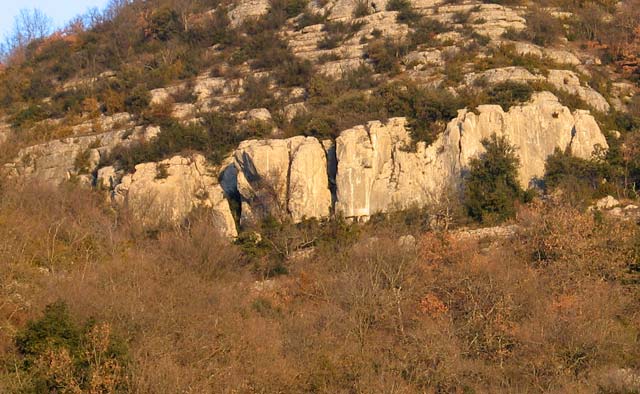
(552, 310)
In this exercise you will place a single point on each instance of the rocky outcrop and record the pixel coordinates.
(305, 42)
(282, 177)
(564, 80)
(555, 55)
(490, 20)
(164, 193)
(377, 171)
(73, 157)
(504, 74)
(569, 82)
(374, 168)
(247, 9)
(615, 209)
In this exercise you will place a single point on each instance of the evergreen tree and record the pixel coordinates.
(492, 187)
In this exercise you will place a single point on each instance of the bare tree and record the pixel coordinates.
(29, 25)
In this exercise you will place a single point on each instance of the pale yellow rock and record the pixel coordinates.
(498, 75)
(557, 55)
(262, 171)
(61, 160)
(164, 193)
(247, 9)
(283, 178)
(309, 194)
(569, 82)
(378, 171)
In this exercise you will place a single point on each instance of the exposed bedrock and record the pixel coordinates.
(379, 172)
(368, 169)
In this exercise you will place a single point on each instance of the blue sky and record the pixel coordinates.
(61, 11)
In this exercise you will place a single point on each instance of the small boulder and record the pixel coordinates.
(407, 242)
(260, 114)
(607, 202)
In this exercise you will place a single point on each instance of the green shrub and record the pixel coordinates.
(428, 110)
(256, 93)
(81, 162)
(215, 136)
(30, 115)
(581, 180)
(138, 100)
(425, 31)
(361, 9)
(295, 7)
(508, 94)
(165, 23)
(54, 329)
(337, 32)
(406, 13)
(329, 42)
(162, 171)
(385, 55)
(294, 72)
(309, 18)
(491, 186)
(61, 357)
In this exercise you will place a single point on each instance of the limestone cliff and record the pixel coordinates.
(283, 177)
(377, 171)
(368, 169)
(166, 192)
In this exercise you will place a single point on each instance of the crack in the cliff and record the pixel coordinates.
(460, 146)
(288, 191)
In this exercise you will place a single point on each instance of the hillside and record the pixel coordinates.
(328, 196)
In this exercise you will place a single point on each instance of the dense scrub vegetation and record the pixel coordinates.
(552, 310)
(491, 186)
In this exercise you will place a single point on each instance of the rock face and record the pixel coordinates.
(490, 20)
(282, 177)
(60, 160)
(556, 55)
(164, 193)
(377, 172)
(568, 81)
(368, 169)
(246, 10)
(565, 80)
(498, 75)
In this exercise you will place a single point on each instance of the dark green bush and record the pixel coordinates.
(138, 100)
(361, 9)
(386, 54)
(337, 32)
(581, 180)
(60, 356)
(508, 94)
(54, 329)
(294, 72)
(309, 18)
(428, 110)
(491, 186)
(165, 23)
(425, 31)
(256, 94)
(295, 7)
(29, 115)
(215, 136)
(406, 13)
